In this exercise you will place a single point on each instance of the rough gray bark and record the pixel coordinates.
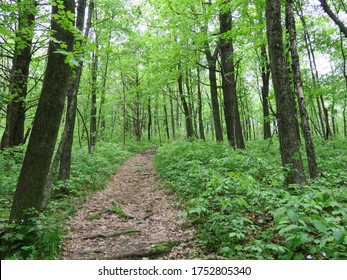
(186, 111)
(231, 108)
(14, 130)
(67, 139)
(212, 69)
(286, 119)
(305, 125)
(37, 160)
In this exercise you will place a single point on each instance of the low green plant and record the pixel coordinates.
(40, 238)
(242, 209)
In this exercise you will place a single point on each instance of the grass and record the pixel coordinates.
(242, 209)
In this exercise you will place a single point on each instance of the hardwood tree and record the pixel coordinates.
(305, 125)
(38, 156)
(231, 108)
(14, 131)
(286, 117)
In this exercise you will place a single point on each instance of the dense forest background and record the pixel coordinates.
(248, 99)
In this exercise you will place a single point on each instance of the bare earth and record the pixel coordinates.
(132, 218)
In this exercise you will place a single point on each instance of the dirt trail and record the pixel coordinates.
(132, 218)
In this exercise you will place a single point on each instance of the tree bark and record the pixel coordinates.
(67, 139)
(286, 119)
(231, 108)
(14, 130)
(265, 76)
(187, 113)
(334, 17)
(37, 160)
(201, 123)
(305, 125)
(212, 68)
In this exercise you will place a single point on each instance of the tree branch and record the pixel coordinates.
(330, 13)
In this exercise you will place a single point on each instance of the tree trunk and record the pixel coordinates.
(187, 113)
(149, 125)
(37, 160)
(265, 76)
(287, 124)
(324, 123)
(173, 125)
(14, 131)
(201, 123)
(211, 60)
(231, 108)
(93, 110)
(67, 139)
(305, 125)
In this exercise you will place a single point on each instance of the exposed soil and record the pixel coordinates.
(132, 218)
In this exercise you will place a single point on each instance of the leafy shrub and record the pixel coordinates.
(242, 209)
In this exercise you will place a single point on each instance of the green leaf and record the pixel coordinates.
(5, 31)
(288, 228)
(292, 216)
(319, 226)
(279, 213)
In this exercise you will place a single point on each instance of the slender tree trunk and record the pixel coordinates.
(265, 76)
(305, 125)
(187, 113)
(173, 126)
(345, 76)
(33, 176)
(67, 139)
(149, 125)
(166, 122)
(101, 115)
(231, 108)
(201, 123)
(14, 131)
(334, 17)
(211, 60)
(93, 110)
(287, 124)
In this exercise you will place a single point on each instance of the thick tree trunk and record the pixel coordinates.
(287, 124)
(37, 160)
(305, 125)
(231, 108)
(14, 131)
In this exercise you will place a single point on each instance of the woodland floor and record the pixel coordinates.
(132, 218)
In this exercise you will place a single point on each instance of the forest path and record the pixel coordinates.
(132, 218)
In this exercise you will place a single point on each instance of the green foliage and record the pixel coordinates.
(40, 238)
(239, 203)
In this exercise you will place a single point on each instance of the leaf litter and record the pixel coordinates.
(130, 219)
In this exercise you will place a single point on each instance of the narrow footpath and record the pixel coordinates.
(132, 218)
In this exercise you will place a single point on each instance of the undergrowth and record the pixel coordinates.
(243, 210)
(41, 237)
